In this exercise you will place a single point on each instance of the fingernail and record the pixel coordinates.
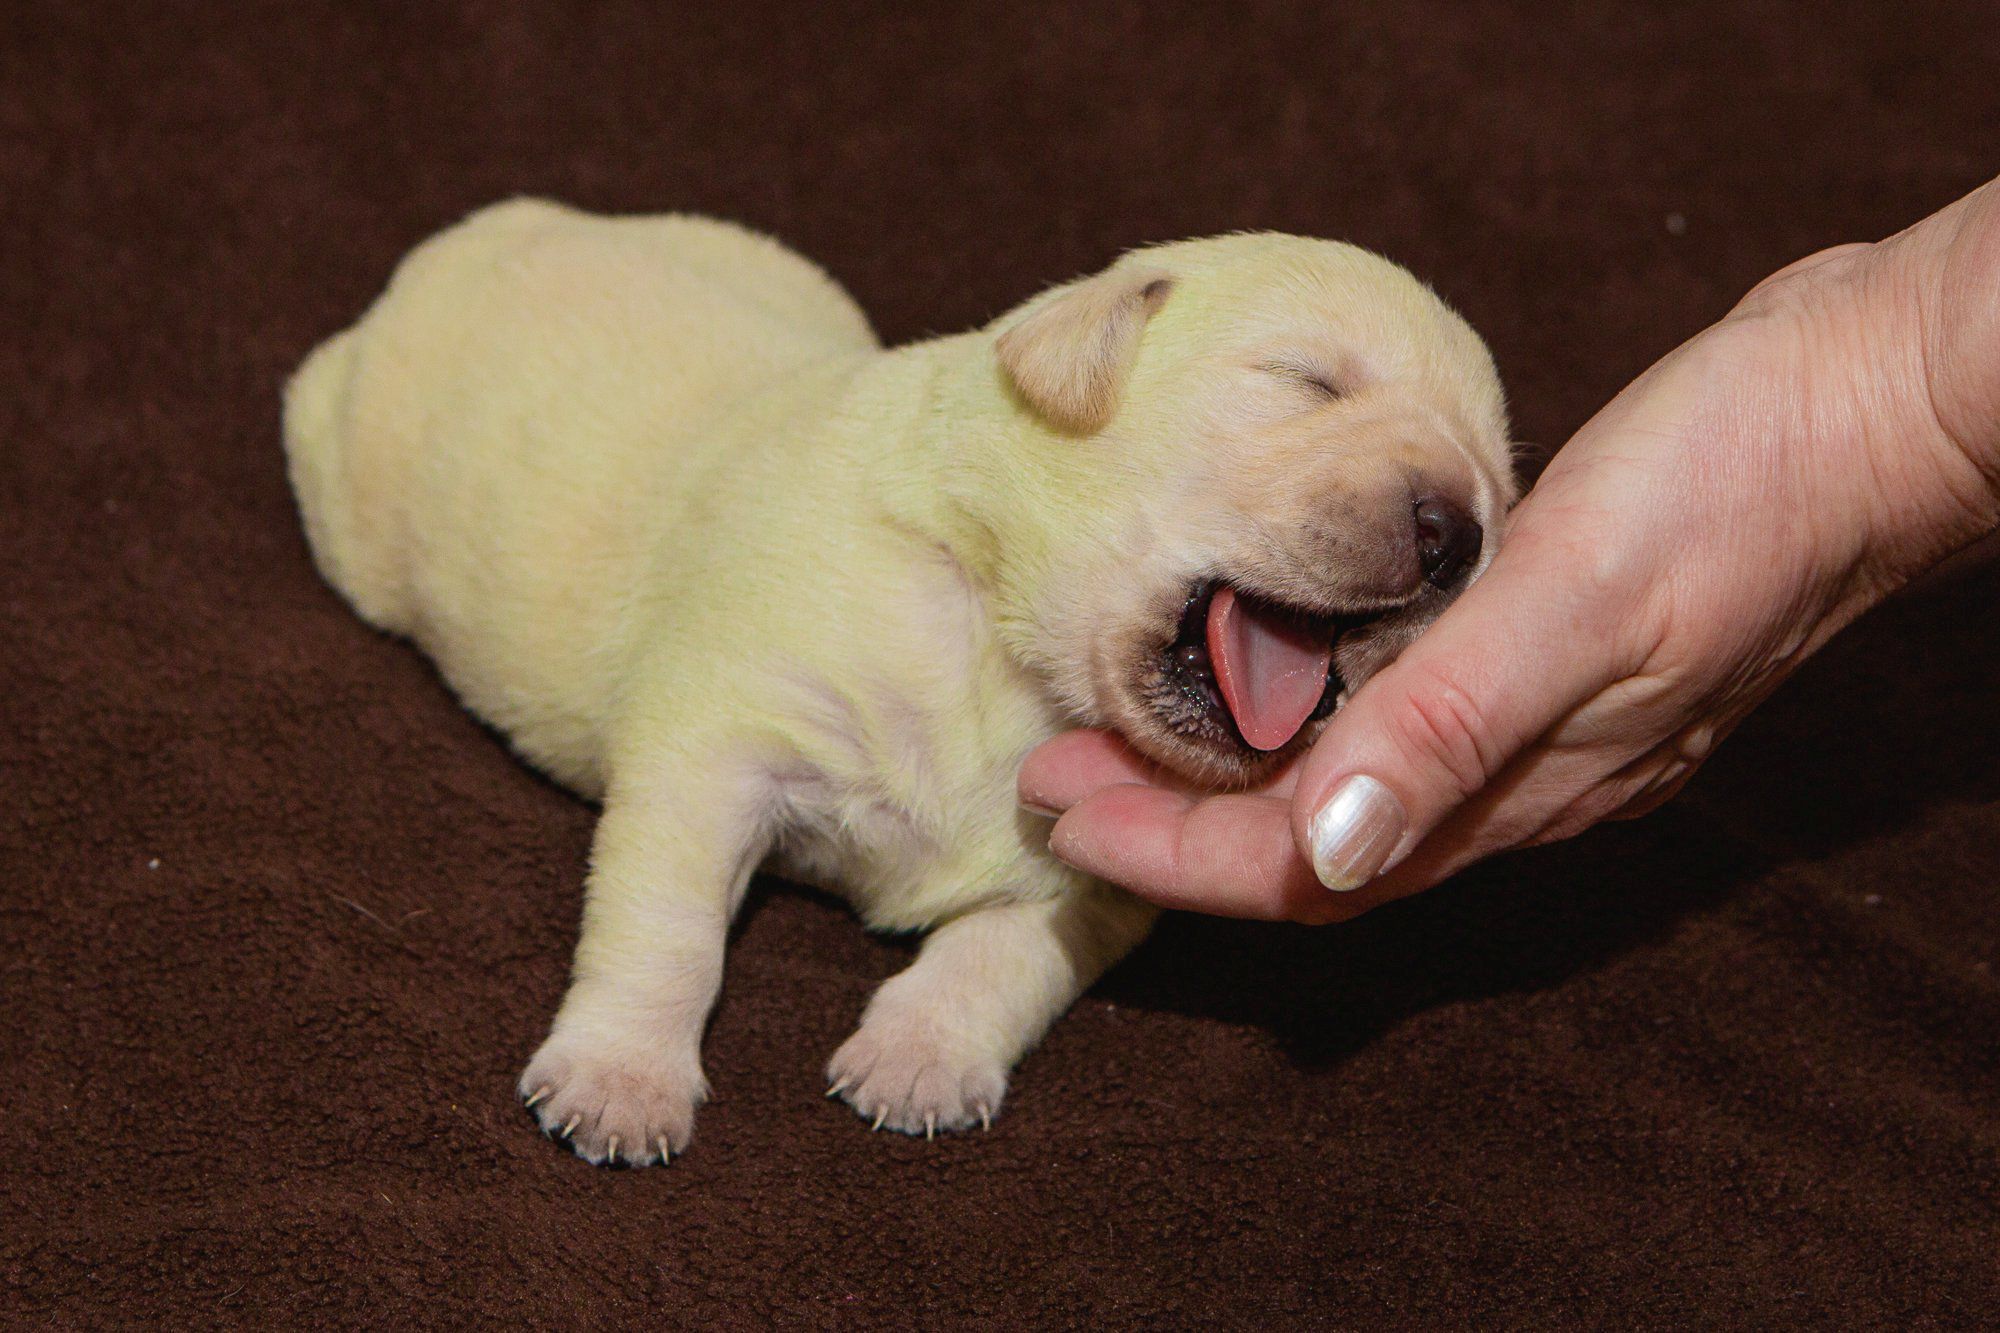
(1044, 811)
(1355, 832)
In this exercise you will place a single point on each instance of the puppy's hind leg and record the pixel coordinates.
(938, 1039)
(619, 1076)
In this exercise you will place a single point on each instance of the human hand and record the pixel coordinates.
(1749, 495)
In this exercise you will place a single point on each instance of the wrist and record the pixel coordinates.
(1900, 348)
(1956, 257)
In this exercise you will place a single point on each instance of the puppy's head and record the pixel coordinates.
(1262, 465)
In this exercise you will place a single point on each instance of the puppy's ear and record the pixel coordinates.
(1070, 354)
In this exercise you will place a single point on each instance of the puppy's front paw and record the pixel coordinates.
(904, 1073)
(614, 1102)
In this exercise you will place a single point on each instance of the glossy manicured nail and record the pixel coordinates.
(1355, 832)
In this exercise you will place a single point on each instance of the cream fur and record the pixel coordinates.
(661, 508)
(1068, 357)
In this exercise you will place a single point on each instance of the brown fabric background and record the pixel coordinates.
(281, 923)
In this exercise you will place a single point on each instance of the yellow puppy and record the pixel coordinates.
(665, 512)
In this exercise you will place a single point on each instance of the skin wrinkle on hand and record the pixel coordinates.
(1074, 844)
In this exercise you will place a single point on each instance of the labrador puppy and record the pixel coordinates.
(664, 512)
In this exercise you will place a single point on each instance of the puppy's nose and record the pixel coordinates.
(1447, 540)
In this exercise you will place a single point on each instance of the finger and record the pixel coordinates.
(1521, 649)
(1548, 794)
(1060, 772)
(1228, 855)
(1657, 792)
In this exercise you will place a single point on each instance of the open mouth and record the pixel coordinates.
(1244, 671)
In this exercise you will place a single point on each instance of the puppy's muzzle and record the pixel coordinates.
(1248, 668)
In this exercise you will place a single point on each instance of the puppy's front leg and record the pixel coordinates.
(938, 1039)
(620, 1074)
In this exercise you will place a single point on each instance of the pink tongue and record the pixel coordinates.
(1272, 669)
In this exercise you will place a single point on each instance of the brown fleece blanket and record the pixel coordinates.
(281, 923)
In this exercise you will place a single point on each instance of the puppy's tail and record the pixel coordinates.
(320, 436)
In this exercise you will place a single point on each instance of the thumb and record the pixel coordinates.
(1520, 649)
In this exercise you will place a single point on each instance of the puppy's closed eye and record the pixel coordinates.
(1322, 384)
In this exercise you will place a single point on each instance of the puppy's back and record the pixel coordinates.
(479, 461)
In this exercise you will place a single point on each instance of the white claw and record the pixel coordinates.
(612, 1160)
(540, 1093)
(930, 1125)
(573, 1121)
(837, 1088)
(666, 1158)
(985, 1117)
(880, 1116)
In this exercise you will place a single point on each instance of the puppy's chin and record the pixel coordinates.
(1222, 764)
(1156, 687)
